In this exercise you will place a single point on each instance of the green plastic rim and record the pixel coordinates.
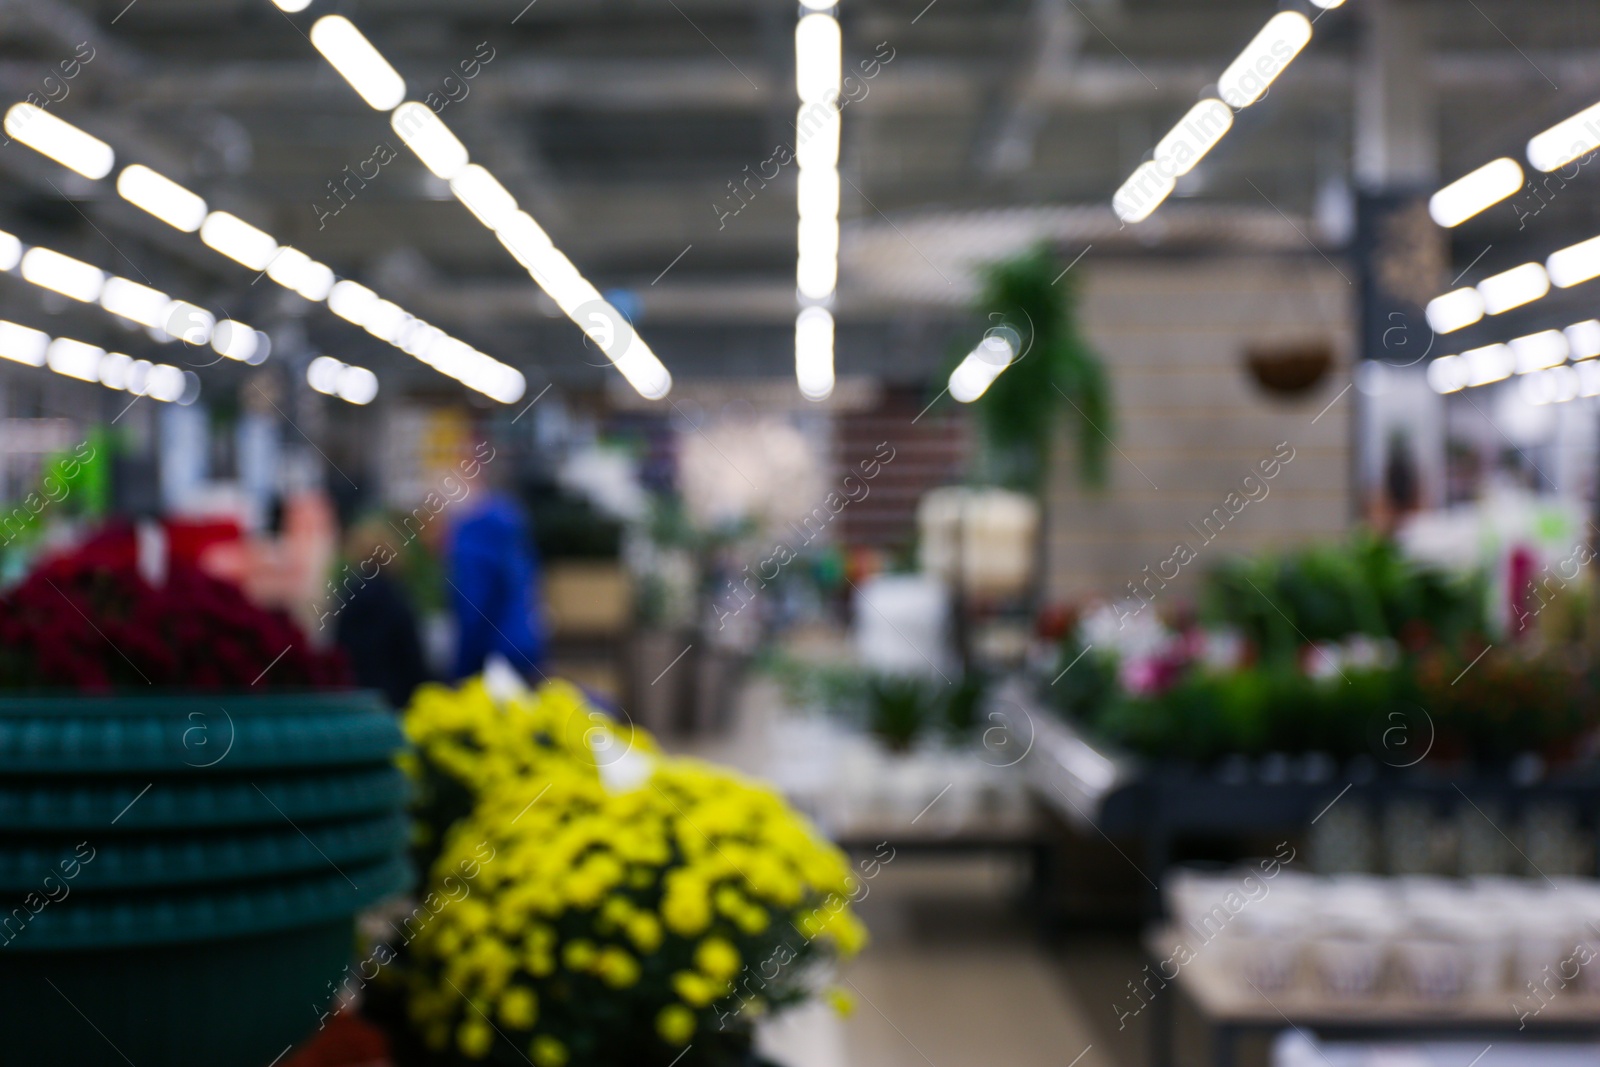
(56, 866)
(197, 800)
(191, 733)
(174, 918)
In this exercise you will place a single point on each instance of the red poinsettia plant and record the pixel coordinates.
(90, 622)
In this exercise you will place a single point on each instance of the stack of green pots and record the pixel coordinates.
(179, 875)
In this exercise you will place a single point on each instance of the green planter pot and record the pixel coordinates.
(234, 839)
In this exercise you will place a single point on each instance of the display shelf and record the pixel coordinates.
(1231, 1009)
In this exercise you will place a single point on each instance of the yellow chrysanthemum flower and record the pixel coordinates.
(675, 1024)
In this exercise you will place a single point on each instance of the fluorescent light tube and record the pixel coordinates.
(485, 197)
(1566, 141)
(322, 374)
(185, 322)
(74, 359)
(1583, 339)
(10, 251)
(23, 345)
(1263, 59)
(360, 64)
(1476, 192)
(1574, 264)
(236, 341)
(972, 378)
(1513, 288)
(1454, 310)
(114, 369)
(65, 275)
(1588, 378)
(430, 139)
(138, 303)
(1491, 363)
(161, 197)
(817, 276)
(1143, 192)
(350, 301)
(60, 140)
(358, 385)
(818, 58)
(817, 136)
(238, 240)
(293, 269)
(1449, 374)
(383, 319)
(1540, 351)
(818, 193)
(813, 353)
(165, 383)
(1195, 134)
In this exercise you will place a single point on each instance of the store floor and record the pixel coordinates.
(956, 976)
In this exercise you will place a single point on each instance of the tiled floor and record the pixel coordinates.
(956, 977)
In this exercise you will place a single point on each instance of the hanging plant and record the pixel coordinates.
(1055, 374)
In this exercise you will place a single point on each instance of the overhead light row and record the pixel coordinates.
(349, 52)
(1532, 354)
(90, 363)
(331, 377)
(1561, 384)
(159, 313)
(818, 73)
(252, 247)
(1244, 82)
(1475, 193)
(1514, 288)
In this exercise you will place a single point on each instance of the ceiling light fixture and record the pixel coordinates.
(1583, 339)
(135, 302)
(1513, 288)
(819, 69)
(1566, 141)
(161, 197)
(1247, 78)
(1476, 192)
(90, 363)
(63, 274)
(238, 240)
(973, 376)
(1574, 264)
(431, 140)
(813, 352)
(1540, 351)
(60, 140)
(352, 55)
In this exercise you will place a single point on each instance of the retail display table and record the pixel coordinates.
(1230, 1009)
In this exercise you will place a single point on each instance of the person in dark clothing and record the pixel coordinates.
(377, 628)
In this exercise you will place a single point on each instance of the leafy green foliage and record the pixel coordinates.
(1055, 374)
(1328, 592)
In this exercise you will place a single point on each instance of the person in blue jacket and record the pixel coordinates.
(494, 579)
